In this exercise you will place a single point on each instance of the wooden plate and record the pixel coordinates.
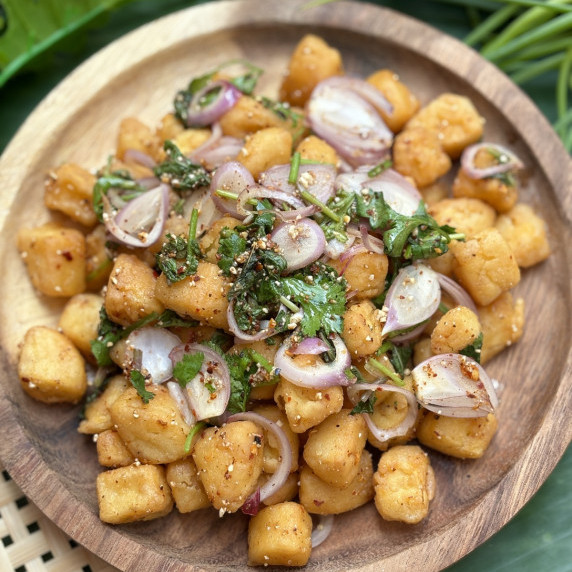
(138, 75)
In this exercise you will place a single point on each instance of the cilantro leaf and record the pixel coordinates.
(231, 246)
(108, 334)
(180, 172)
(322, 295)
(399, 355)
(188, 367)
(474, 350)
(170, 319)
(410, 237)
(138, 382)
(248, 369)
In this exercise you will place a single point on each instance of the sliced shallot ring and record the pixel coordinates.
(234, 177)
(241, 335)
(258, 192)
(226, 99)
(454, 385)
(335, 248)
(397, 191)
(301, 242)
(408, 422)
(364, 89)
(155, 345)
(512, 163)
(310, 346)
(178, 395)
(318, 179)
(139, 157)
(372, 243)
(151, 206)
(278, 478)
(204, 402)
(457, 292)
(317, 376)
(412, 298)
(349, 123)
(322, 529)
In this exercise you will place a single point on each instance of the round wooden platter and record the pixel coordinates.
(138, 75)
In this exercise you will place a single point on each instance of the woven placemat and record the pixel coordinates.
(31, 543)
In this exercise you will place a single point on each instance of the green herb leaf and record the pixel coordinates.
(188, 367)
(138, 382)
(474, 350)
(180, 172)
(322, 295)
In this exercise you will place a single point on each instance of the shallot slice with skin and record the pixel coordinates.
(232, 177)
(141, 221)
(155, 345)
(383, 435)
(322, 529)
(397, 191)
(339, 114)
(454, 385)
(301, 242)
(278, 478)
(178, 394)
(413, 297)
(508, 161)
(317, 179)
(201, 114)
(209, 391)
(317, 376)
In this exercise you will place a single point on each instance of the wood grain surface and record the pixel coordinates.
(138, 75)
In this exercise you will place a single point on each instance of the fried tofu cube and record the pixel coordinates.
(130, 293)
(229, 460)
(502, 322)
(155, 432)
(454, 331)
(135, 135)
(111, 450)
(266, 148)
(455, 120)
(201, 297)
(136, 492)
(186, 486)
(50, 368)
(280, 535)
(69, 189)
(319, 497)
(312, 61)
(461, 437)
(306, 407)
(485, 266)
(418, 153)
(79, 321)
(55, 258)
(526, 234)
(334, 447)
(404, 484)
(404, 103)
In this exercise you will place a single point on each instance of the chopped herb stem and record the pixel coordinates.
(193, 225)
(385, 370)
(194, 430)
(457, 236)
(309, 198)
(227, 194)
(294, 168)
(289, 304)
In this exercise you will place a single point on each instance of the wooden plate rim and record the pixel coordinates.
(31, 472)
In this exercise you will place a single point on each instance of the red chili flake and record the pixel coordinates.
(67, 255)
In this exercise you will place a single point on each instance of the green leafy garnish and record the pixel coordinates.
(410, 237)
(380, 168)
(245, 82)
(343, 205)
(399, 355)
(321, 293)
(248, 369)
(283, 111)
(138, 382)
(179, 257)
(474, 350)
(365, 406)
(188, 367)
(180, 172)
